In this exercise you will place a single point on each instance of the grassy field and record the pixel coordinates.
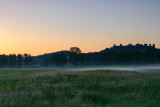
(64, 88)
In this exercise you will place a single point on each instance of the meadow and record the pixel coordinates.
(71, 88)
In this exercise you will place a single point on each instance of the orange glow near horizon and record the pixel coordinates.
(41, 41)
(39, 46)
(18, 41)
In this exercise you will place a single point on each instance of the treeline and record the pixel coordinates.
(75, 57)
(129, 58)
(58, 59)
(13, 60)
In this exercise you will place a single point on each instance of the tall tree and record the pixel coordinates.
(59, 59)
(12, 60)
(75, 50)
(27, 59)
(3, 60)
(75, 55)
(19, 60)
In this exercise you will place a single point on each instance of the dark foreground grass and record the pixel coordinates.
(101, 88)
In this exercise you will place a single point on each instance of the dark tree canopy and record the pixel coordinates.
(27, 59)
(75, 50)
(12, 60)
(114, 56)
(59, 59)
(76, 58)
(19, 60)
(3, 60)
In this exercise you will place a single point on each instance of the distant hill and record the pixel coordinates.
(94, 56)
(40, 58)
(131, 48)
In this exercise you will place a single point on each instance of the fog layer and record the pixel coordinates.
(122, 68)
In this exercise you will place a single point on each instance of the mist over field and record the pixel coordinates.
(76, 87)
(120, 68)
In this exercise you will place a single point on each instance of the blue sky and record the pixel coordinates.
(52, 25)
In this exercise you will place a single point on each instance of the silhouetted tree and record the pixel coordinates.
(47, 62)
(3, 60)
(88, 59)
(19, 60)
(103, 58)
(59, 59)
(27, 59)
(75, 50)
(81, 59)
(75, 55)
(12, 60)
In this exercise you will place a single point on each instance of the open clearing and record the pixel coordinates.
(69, 88)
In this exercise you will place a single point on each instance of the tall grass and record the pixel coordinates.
(102, 88)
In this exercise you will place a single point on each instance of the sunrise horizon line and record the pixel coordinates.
(114, 45)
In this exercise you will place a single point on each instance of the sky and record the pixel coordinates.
(44, 26)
